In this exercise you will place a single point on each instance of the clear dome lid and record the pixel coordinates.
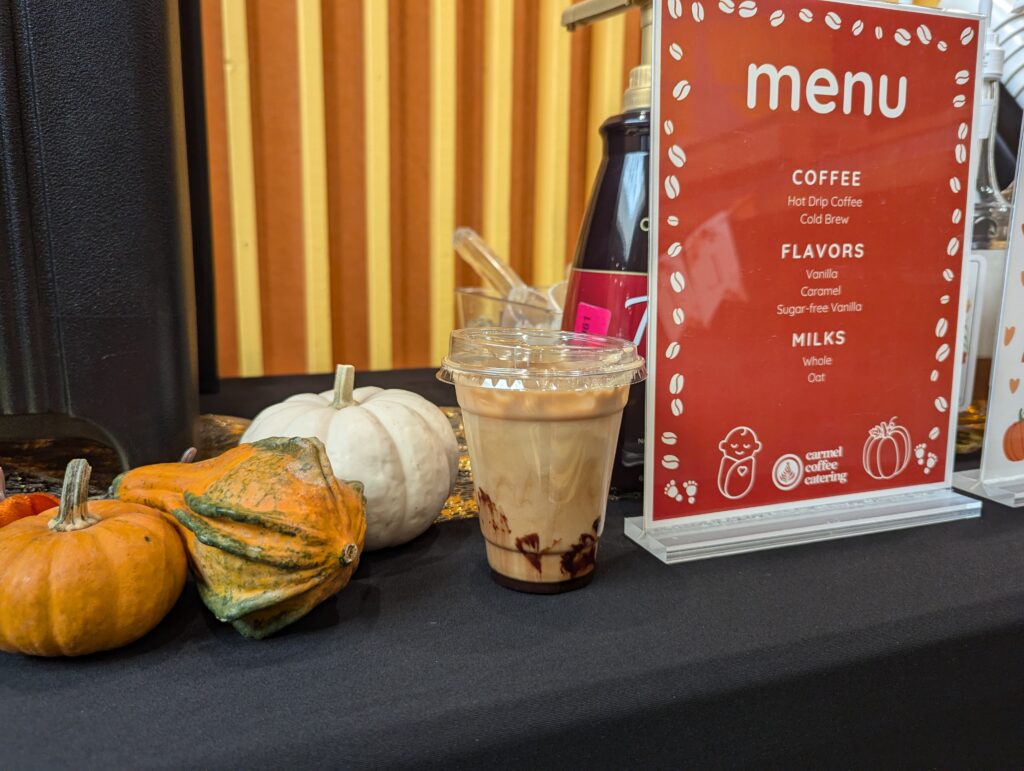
(540, 358)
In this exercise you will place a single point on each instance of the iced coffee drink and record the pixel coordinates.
(542, 413)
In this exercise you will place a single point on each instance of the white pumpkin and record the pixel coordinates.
(396, 443)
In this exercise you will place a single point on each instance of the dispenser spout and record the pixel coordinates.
(590, 11)
(638, 94)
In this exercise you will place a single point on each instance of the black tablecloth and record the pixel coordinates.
(905, 648)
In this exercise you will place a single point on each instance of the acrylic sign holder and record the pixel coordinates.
(1000, 477)
(811, 171)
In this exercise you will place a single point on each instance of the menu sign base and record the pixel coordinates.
(724, 536)
(1008, 492)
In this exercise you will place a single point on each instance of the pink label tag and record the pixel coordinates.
(592, 320)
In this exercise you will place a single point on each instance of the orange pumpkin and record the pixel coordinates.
(270, 532)
(1013, 440)
(88, 576)
(13, 507)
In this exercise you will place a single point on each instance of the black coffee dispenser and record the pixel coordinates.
(97, 330)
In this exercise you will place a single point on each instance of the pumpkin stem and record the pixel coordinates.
(189, 455)
(344, 380)
(72, 513)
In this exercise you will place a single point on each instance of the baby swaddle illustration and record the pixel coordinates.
(739, 462)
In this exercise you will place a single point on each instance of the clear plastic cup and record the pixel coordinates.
(542, 411)
(479, 307)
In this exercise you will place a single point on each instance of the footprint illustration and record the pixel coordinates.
(690, 488)
(919, 453)
(672, 490)
(930, 463)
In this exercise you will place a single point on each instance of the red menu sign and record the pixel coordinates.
(813, 169)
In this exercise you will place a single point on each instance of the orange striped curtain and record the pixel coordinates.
(348, 139)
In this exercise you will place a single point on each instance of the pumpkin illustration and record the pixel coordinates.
(269, 530)
(887, 450)
(1013, 440)
(14, 507)
(87, 576)
(399, 445)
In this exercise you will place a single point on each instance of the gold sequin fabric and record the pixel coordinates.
(461, 504)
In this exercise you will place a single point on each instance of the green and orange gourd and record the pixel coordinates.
(269, 531)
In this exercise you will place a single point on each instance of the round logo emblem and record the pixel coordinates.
(788, 472)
